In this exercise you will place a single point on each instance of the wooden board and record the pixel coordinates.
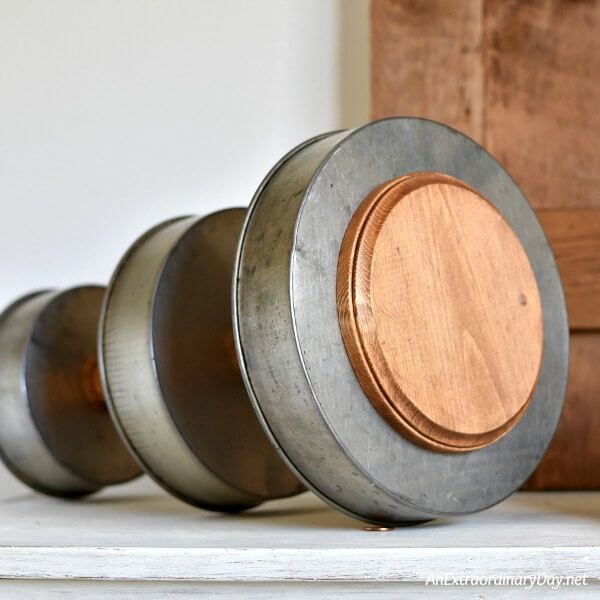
(573, 459)
(542, 97)
(451, 362)
(134, 541)
(522, 78)
(575, 239)
(427, 61)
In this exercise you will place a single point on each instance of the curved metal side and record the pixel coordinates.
(290, 345)
(22, 447)
(179, 410)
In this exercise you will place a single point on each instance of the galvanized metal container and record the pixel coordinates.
(288, 338)
(170, 370)
(55, 432)
(228, 410)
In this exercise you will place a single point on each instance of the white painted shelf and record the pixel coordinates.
(134, 541)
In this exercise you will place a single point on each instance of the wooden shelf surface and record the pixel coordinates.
(134, 537)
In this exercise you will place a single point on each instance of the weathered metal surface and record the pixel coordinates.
(55, 433)
(290, 347)
(170, 370)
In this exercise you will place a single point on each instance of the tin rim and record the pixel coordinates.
(131, 374)
(354, 436)
(32, 447)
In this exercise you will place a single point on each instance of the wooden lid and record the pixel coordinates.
(440, 312)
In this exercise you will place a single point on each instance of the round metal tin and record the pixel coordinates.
(170, 369)
(290, 347)
(56, 434)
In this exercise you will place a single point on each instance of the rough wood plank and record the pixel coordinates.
(519, 77)
(575, 240)
(70, 589)
(542, 97)
(124, 535)
(291, 564)
(427, 61)
(573, 459)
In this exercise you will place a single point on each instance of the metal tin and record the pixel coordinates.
(170, 370)
(290, 347)
(56, 434)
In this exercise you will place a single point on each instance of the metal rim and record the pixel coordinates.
(349, 434)
(237, 325)
(131, 382)
(243, 328)
(22, 447)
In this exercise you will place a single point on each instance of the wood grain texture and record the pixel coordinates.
(70, 589)
(440, 312)
(133, 536)
(427, 61)
(542, 93)
(575, 239)
(519, 77)
(573, 459)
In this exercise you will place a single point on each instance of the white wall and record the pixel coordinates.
(117, 114)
